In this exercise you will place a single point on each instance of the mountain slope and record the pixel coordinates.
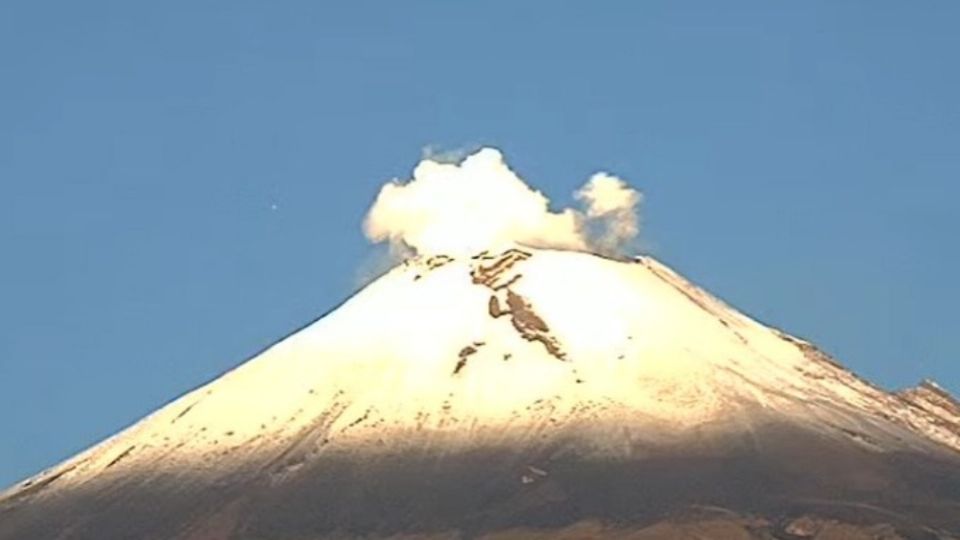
(516, 392)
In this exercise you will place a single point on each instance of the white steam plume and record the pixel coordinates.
(480, 204)
(614, 204)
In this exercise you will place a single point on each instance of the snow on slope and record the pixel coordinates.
(507, 346)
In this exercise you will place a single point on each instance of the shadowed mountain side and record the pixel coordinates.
(722, 486)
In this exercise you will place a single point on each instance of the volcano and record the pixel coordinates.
(525, 393)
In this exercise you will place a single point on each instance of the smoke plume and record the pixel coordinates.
(613, 204)
(481, 204)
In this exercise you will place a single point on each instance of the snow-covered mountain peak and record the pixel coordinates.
(542, 352)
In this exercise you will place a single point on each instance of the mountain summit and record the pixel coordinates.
(519, 394)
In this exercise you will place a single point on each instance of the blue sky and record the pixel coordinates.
(799, 159)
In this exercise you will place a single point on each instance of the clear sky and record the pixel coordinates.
(182, 183)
